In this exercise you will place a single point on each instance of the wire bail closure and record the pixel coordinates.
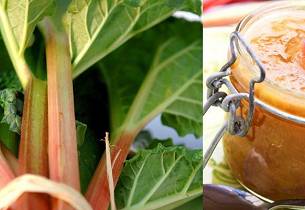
(236, 125)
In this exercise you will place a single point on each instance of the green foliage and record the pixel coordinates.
(19, 20)
(196, 204)
(144, 140)
(8, 101)
(98, 27)
(193, 6)
(161, 178)
(165, 142)
(10, 124)
(9, 79)
(155, 74)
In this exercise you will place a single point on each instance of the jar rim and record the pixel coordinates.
(242, 27)
(258, 13)
(270, 7)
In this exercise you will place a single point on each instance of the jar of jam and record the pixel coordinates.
(269, 158)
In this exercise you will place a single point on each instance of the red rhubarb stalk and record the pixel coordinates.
(63, 156)
(11, 159)
(7, 174)
(33, 155)
(98, 193)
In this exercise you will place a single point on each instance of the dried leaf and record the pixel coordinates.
(38, 184)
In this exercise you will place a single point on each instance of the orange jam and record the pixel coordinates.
(280, 46)
(270, 159)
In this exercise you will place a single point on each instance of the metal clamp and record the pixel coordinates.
(236, 125)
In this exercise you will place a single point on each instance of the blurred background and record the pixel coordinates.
(227, 12)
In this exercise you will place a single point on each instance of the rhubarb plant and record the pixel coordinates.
(114, 66)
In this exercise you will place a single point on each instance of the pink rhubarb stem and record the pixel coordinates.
(6, 172)
(63, 156)
(98, 192)
(11, 159)
(33, 154)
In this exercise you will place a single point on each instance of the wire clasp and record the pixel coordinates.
(236, 124)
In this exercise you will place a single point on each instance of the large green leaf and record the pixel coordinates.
(162, 178)
(185, 113)
(153, 74)
(97, 27)
(18, 19)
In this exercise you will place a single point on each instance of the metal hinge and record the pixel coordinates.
(236, 124)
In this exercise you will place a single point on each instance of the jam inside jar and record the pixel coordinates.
(270, 159)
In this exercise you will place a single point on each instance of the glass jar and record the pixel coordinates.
(270, 159)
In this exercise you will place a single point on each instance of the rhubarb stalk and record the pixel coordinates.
(63, 156)
(11, 159)
(98, 193)
(33, 155)
(7, 174)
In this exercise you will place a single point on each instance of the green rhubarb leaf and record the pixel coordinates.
(165, 142)
(184, 113)
(194, 6)
(19, 19)
(151, 75)
(161, 178)
(97, 27)
(144, 140)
